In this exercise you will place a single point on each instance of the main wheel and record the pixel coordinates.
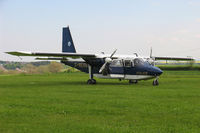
(135, 82)
(130, 81)
(91, 81)
(94, 81)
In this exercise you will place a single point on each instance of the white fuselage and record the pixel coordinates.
(122, 76)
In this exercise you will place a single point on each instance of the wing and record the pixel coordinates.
(60, 55)
(174, 58)
(52, 58)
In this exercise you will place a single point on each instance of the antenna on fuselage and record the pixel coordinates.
(135, 54)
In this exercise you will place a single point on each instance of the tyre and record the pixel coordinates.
(89, 81)
(93, 81)
(155, 82)
(130, 81)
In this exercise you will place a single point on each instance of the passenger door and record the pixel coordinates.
(128, 67)
(116, 69)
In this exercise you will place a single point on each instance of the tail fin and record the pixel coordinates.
(67, 42)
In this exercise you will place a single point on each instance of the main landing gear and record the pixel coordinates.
(133, 81)
(91, 80)
(155, 82)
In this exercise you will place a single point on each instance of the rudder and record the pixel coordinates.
(67, 42)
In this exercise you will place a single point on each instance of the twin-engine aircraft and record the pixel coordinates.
(122, 67)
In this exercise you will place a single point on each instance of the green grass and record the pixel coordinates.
(64, 103)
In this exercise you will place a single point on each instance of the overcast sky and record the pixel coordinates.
(171, 27)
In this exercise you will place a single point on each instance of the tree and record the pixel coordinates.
(29, 68)
(55, 67)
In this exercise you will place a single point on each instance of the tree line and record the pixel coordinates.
(34, 67)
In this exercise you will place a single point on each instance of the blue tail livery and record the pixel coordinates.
(67, 42)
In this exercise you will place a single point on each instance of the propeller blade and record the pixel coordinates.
(106, 61)
(113, 53)
(151, 53)
(103, 67)
(152, 59)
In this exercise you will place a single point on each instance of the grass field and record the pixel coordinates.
(64, 103)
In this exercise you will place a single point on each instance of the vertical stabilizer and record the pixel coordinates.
(67, 42)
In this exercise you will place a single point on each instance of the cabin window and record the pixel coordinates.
(132, 63)
(127, 63)
(116, 63)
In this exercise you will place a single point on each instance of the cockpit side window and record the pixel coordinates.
(138, 61)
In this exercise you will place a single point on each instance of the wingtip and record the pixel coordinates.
(10, 52)
(19, 53)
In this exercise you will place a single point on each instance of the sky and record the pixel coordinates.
(170, 27)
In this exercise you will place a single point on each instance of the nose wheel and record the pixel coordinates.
(155, 82)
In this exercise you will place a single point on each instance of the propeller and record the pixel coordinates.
(151, 59)
(107, 60)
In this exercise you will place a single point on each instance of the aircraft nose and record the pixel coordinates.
(157, 71)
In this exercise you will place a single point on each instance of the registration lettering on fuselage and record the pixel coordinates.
(142, 73)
